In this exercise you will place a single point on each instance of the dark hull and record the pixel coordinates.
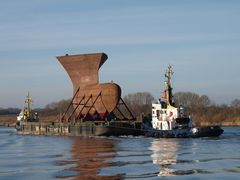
(80, 129)
(113, 129)
(210, 131)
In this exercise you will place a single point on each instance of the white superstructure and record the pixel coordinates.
(20, 116)
(165, 116)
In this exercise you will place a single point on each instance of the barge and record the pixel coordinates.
(28, 123)
(88, 129)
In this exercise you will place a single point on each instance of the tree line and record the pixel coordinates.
(200, 107)
(5, 111)
(204, 111)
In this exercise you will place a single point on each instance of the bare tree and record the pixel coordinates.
(58, 107)
(139, 103)
(235, 103)
(189, 99)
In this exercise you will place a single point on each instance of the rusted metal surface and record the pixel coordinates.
(83, 68)
(90, 96)
(110, 95)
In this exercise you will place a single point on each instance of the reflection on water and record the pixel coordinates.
(191, 156)
(164, 155)
(169, 153)
(89, 156)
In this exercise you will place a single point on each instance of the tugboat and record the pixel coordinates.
(171, 121)
(26, 114)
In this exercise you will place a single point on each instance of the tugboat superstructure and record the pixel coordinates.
(170, 121)
(165, 115)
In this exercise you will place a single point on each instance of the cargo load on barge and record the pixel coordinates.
(96, 109)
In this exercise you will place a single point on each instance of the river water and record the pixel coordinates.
(55, 157)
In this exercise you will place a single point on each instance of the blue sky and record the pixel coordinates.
(141, 37)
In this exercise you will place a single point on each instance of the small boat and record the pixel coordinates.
(171, 122)
(26, 114)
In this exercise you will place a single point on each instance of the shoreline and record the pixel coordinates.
(12, 124)
(10, 120)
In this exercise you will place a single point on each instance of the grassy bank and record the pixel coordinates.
(225, 123)
(8, 120)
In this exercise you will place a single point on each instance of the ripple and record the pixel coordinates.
(120, 163)
(41, 157)
(233, 170)
(64, 174)
(191, 171)
(142, 176)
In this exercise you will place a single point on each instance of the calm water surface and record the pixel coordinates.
(44, 157)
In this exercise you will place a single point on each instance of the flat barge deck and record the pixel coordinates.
(80, 129)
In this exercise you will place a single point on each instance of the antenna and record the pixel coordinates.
(168, 88)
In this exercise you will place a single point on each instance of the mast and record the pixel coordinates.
(28, 108)
(168, 87)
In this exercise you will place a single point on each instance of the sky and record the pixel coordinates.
(201, 39)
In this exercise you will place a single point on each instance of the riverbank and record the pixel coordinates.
(8, 120)
(224, 123)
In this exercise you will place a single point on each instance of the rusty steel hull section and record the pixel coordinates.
(106, 97)
(83, 68)
(90, 96)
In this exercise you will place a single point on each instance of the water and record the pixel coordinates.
(44, 157)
